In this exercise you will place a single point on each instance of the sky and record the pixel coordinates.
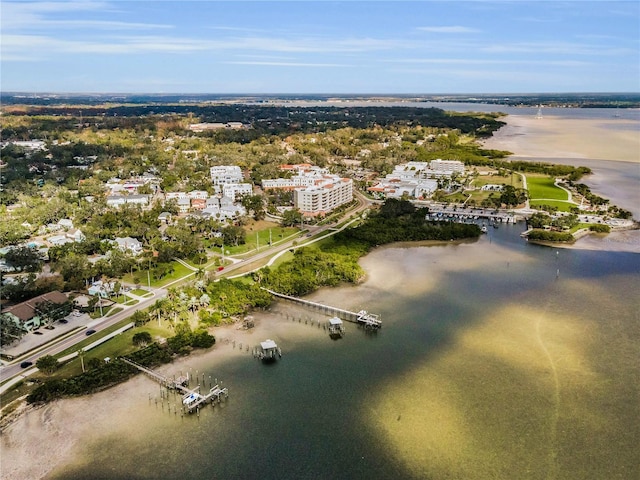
(348, 47)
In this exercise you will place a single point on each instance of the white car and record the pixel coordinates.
(76, 313)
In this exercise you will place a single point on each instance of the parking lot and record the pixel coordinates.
(44, 335)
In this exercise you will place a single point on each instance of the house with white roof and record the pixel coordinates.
(76, 235)
(118, 200)
(129, 244)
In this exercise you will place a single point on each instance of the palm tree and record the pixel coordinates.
(193, 304)
(205, 300)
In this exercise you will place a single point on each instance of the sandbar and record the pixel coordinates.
(560, 137)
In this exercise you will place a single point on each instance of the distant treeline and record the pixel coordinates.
(578, 100)
(273, 119)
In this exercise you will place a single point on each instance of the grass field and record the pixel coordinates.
(513, 179)
(560, 205)
(179, 272)
(258, 235)
(141, 292)
(542, 187)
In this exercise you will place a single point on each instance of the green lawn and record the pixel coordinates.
(561, 206)
(179, 272)
(141, 292)
(543, 187)
(513, 179)
(124, 300)
(262, 240)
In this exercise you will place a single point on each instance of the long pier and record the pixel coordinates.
(192, 399)
(367, 320)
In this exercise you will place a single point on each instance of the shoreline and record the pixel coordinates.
(559, 137)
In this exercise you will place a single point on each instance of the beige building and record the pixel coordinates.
(328, 193)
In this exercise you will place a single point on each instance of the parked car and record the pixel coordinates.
(76, 313)
(37, 333)
(26, 364)
(63, 320)
(89, 332)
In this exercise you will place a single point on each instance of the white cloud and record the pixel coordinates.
(488, 61)
(286, 64)
(449, 29)
(554, 48)
(22, 16)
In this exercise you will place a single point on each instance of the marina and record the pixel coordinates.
(370, 321)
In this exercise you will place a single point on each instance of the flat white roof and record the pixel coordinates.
(268, 344)
(335, 321)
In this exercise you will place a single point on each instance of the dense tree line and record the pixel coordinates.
(272, 119)
(400, 220)
(550, 236)
(310, 269)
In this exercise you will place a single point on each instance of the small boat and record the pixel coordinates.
(484, 229)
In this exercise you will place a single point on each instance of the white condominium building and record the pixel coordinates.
(327, 194)
(288, 183)
(226, 174)
(234, 189)
(446, 166)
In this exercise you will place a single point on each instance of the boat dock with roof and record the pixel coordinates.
(192, 399)
(268, 350)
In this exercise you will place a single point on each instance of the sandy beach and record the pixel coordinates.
(557, 137)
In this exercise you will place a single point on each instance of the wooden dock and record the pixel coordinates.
(370, 321)
(192, 399)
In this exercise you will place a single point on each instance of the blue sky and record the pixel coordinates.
(347, 47)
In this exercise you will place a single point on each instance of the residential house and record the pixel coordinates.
(26, 314)
(76, 235)
(184, 204)
(118, 200)
(59, 240)
(164, 217)
(65, 223)
(129, 244)
(198, 203)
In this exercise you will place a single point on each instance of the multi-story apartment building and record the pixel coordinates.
(225, 175)
(235, 189)
(326, 194)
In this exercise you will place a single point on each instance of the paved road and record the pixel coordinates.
(13, 370)
(9, 371)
